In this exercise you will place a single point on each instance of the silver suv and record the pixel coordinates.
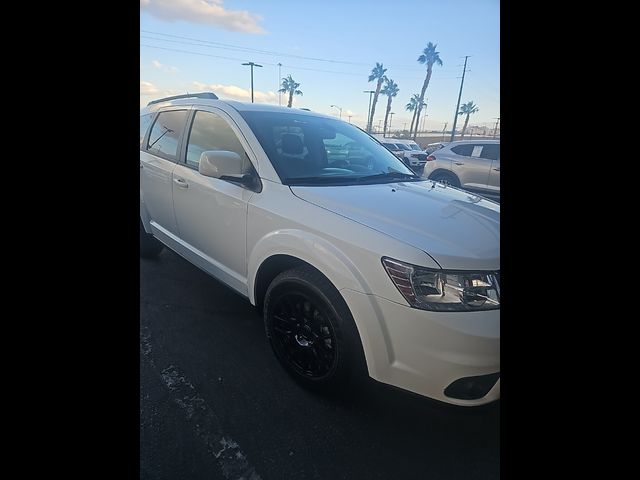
(470, 164)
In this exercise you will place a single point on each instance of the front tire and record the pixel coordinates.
(312, 332)
(150, 247)
(445, 178)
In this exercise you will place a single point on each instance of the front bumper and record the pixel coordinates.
(425, 352)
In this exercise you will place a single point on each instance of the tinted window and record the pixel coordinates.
(211, 132)
(402, 146)
(492, 152)
(165, 134)
(463, 150)
(303, 147)
(145, 121)
(390, 146)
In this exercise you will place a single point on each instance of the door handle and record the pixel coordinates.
(497, 169)
(140, 165)
(181, 182)
(458, 163)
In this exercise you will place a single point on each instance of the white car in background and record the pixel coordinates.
(315, 223)
(412, 154)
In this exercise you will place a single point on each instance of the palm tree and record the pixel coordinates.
(467, 109)
(390, 90)
(290, 86)
(377, 72)
(412, 107)
(429, 57)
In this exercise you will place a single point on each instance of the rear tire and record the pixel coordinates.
(312, 331)
(445, 178)
(149, 246)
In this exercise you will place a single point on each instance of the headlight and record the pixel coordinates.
(443, 290)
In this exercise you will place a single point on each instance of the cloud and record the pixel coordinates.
(164, 68)
(238, 93)
(148, 88)
(208, 12)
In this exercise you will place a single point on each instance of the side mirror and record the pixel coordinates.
(220, 163)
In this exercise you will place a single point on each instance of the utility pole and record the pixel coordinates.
(279, 80)
(455, 116)
(495, 129)
(370, 92)
(404, 127)
(444, 130)
(349, 117)
(251, 64)
(379, 125)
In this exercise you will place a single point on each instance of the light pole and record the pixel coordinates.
(444, 130)
(369, 126)
(391, 114)
(279, 80)
(379, 125)
(251, 64)
(349, 117)
(495, 129)
(339, 108)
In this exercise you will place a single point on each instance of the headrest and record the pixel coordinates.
(291, 144)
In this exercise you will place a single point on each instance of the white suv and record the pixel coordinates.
(412, 154)
(358, 265)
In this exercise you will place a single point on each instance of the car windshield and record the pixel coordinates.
(402, 146)
(310, 150)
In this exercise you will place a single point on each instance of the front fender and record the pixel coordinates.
(306, 246)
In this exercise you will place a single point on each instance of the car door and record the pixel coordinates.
(492, 152)
(468, 164)
(158, 156)
(211, 213)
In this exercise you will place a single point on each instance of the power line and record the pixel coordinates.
(292, 67)
(227, 46)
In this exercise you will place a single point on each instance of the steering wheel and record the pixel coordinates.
(340, 164)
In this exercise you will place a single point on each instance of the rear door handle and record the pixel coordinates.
(497, 169)
(181, 182)
(141, 165)
(458, 163)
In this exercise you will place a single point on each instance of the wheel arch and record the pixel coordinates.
(446, 171)
(285, 249)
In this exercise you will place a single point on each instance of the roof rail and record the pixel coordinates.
(209, 95)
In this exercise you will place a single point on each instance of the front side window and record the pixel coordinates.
(211, 132)
(165, 134)
(310, 150)
(491, 152)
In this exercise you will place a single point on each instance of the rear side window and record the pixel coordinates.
(464, 150)
(145, 121)
(211, 132)
(390, 146)
(492, 152)
(164, 138)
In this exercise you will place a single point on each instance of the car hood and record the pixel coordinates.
(459, 230)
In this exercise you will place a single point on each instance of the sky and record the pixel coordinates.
(329, 47)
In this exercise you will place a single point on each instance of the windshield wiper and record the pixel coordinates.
(392, 175)
(320, 180)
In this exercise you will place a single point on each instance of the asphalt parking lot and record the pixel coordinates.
(215, 404)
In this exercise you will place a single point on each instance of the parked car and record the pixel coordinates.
(470, 164)
(314, 222)
(408, 150)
